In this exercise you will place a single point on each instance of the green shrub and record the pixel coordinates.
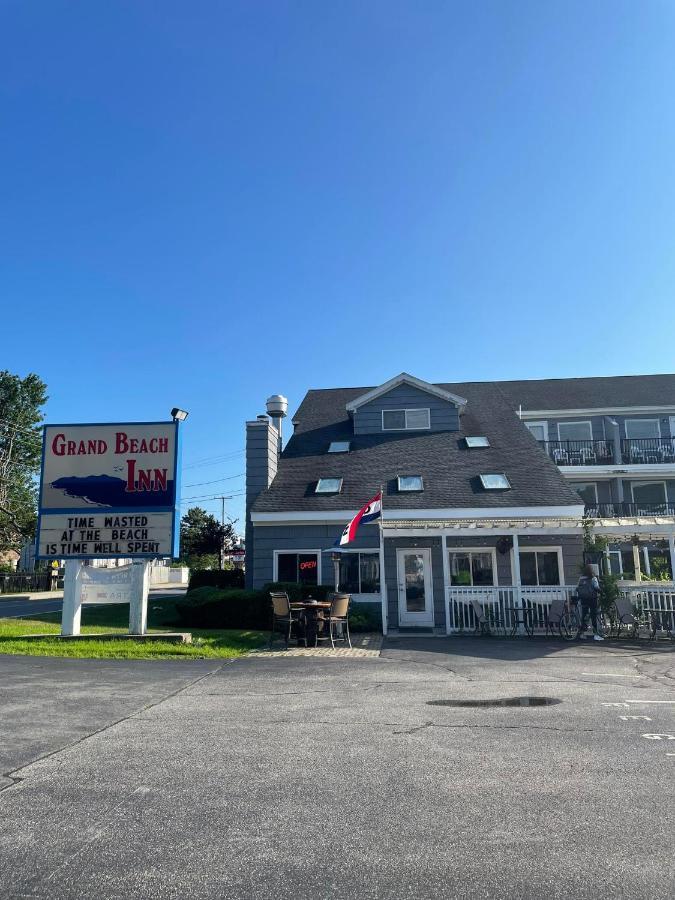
(365, 617)
(210, 607)
(223, 579)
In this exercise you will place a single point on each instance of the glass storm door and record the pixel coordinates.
(415, 599)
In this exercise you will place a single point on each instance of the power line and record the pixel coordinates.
(215, 481)
(213, 460)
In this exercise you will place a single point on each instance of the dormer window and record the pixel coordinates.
(405, 419)
(409, 483)
(339, 446)
(328, 486)
(477, 441)
(495, 482)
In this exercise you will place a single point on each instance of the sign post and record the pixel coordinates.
(109, 491)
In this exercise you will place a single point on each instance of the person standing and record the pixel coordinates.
(588, 590)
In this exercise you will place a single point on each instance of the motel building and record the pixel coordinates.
(489, 491)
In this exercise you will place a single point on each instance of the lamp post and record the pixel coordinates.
(335, 556)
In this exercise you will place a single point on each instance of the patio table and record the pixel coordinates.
(312, 618)
(522, 615)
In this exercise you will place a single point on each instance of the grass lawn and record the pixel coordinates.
(206, 644)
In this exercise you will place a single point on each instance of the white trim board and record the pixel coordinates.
(615, 471)
(593, 411)
(489, 512)
(404, 378)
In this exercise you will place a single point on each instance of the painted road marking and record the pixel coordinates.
(659, 737)
(615, 674)
(626, 718)
(620, 705)
(649, 701)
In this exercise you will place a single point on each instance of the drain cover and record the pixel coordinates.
(506, 701)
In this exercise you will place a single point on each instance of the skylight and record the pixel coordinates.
(477, 441)
(410, 483)
(339, 446)
(495, 482)
(328, 486)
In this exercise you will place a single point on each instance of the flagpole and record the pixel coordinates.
(383, 580)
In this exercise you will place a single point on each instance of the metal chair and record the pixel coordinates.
(282, 614)
(338, 615)
(554, 615)
(624, 616)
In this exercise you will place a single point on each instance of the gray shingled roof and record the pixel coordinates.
(450, 471)
(591, 393)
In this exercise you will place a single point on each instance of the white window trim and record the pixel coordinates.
(493, 553)
(405, 412)
(616, 553)
(638, 484)
(641, 421)
(549, 549)
(577, 422)
(543, 423)
(275, 565)
(372, 597)
(593, 484)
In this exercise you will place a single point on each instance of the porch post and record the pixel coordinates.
(517, 599)
(446, 581)
(671, 547)
(608, 561)
(636, 562)
(645, 555)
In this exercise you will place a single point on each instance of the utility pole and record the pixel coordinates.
(222, 536)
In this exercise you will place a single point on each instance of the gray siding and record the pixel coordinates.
(262, 456)
(268, 538)
(444, 416)
(601, 428)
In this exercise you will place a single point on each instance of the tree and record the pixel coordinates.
(202, 537)
(21, 400)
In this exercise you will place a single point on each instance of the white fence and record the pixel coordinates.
(655, 600)
(502, 605)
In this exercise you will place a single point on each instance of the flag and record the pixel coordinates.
(371, 511)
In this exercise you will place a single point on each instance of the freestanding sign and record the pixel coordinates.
(109, 491)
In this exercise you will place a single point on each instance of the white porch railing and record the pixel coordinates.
(499, 603)
(656, 598)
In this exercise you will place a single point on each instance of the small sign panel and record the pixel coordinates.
(109, 491)
(106, 585)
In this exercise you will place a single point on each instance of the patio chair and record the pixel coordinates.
(482, 625)
(623, 615)
(284, 617)
(560, 456)
(554, 615)
(338, 620)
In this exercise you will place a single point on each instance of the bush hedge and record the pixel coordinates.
(212, 607)
(217, 578)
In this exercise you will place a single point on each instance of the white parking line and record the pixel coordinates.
(643, 718)
(650, 701)
(615, 674)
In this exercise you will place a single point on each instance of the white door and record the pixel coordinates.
(415, 597)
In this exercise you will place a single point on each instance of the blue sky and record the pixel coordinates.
(203, 203)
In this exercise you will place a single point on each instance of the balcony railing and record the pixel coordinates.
(579, 453)
(628, 510)
(601, 453)
(648, 450)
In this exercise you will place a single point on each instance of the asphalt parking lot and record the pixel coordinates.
(275, 778)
